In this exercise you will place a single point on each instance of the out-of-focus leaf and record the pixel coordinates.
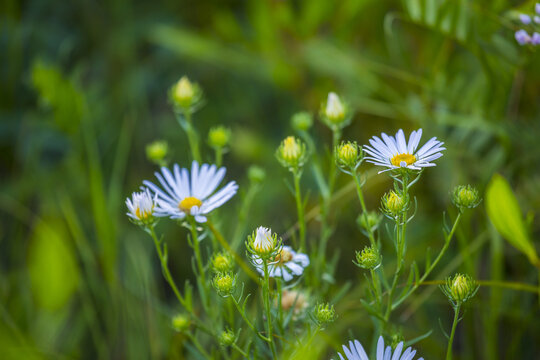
(505, 214)
(53, 271)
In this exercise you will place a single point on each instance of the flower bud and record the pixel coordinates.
(460, 288)
(369, 221)
(537, 8)
(224, 283)
(525, 19)
(324, 313)
(219, 137)
(141, 207)
(393, 204)
(348, 155)
(256, 174)
(263, 243)
(334, 112)
(185, 94)
(369, 258)
(180, 322)
(302, 121)
(465, 196)
(291, 153)
(227, 338)
(222, 262)
(157, 151)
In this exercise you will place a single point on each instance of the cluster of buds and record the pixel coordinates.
(180, 322)
(465, 197)
(224, 283)
(394, 204)
(531, 34)
(459, 289)
(302, 121)
(263, 244)
(219, 137)
(157, 152)
(348, 156)
(368, 259)
(324, 314)
(369, 221)
(292, 153)
(227, 338)
(141, 208)
(222, 262)
(185, 95)
(335, 113)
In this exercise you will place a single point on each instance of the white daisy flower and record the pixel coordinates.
(286, 264)
(395, 153)
(184, 195)
(264, 242)
(141, 206)
(355, 351)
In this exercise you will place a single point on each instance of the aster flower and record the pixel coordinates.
(141, 207)
(286, 264)
(525, 19)
(522, 37)
(395, 153)
(195, 196)
(355, 351)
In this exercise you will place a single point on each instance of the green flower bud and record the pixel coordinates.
(222, 263)
(369, 221)
(227, 338)
(292, 153)
(325, 313)
(396, 339)
(256, 174)
(219, 137)
(185, 94)
(393, 204)
(460, 288)
(157, 151)
(180, 322)
(335, 113)
(348, 155)
(465, 197)
(368, 259)
(302, 121)
(224, 283)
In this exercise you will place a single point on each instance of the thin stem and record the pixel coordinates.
(451, 339)
(192, 137)
(219, 156)
(196, 248)
(363, 204)
(300, 209)
(266, 299)
(234, 346)
(376, 285)
(198, 345)
(246, 320)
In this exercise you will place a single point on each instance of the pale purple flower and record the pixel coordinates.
(537, 8)
(522, 37)
(535, 40)
(525, 19)
(355, 351)
(536, 19)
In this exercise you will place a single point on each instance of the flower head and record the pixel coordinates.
(335, 113)
(285, 264)
(522, 37)
(224, 283)
(537, 8)
(184, 195)
(180, 322)
(535, 39)
(302, 121)
(459, 288)
(369, 258)
(525, 19)
(222, 262)
(369, 221)
(324, 313)
(465, 197)
(348, 156)
(293, 300)
(157, 151)
(263, 243)
(292, 153)
(219, 137)
(256, 175)
(355, 351)
(393, 204)
(227, 338)
(394, 152)
(142, 207)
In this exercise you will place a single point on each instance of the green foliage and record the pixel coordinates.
(505, 214)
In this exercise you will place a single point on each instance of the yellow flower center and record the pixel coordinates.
(189, 202)
(407, 158)
(142, 215)
(283, 257)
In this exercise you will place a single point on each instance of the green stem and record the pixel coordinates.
(363, 204)
(240, 351)
(219, 156)
(300, 209)
(198, 345)
(246, 320)
(192, 137)
(266, 299)
(377, 286)
(201, 280)
(451, 339)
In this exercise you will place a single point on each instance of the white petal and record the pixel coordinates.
(360, 350)
(380, 348)
(401, 143)
(397, 352)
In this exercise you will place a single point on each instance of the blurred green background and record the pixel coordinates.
(83, 89)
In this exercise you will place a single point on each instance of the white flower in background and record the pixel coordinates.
(286, 264)
(355, 351)
(193, 195)
(141, 206)
(395, 153)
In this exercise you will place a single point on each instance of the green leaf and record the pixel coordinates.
(504, 212)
